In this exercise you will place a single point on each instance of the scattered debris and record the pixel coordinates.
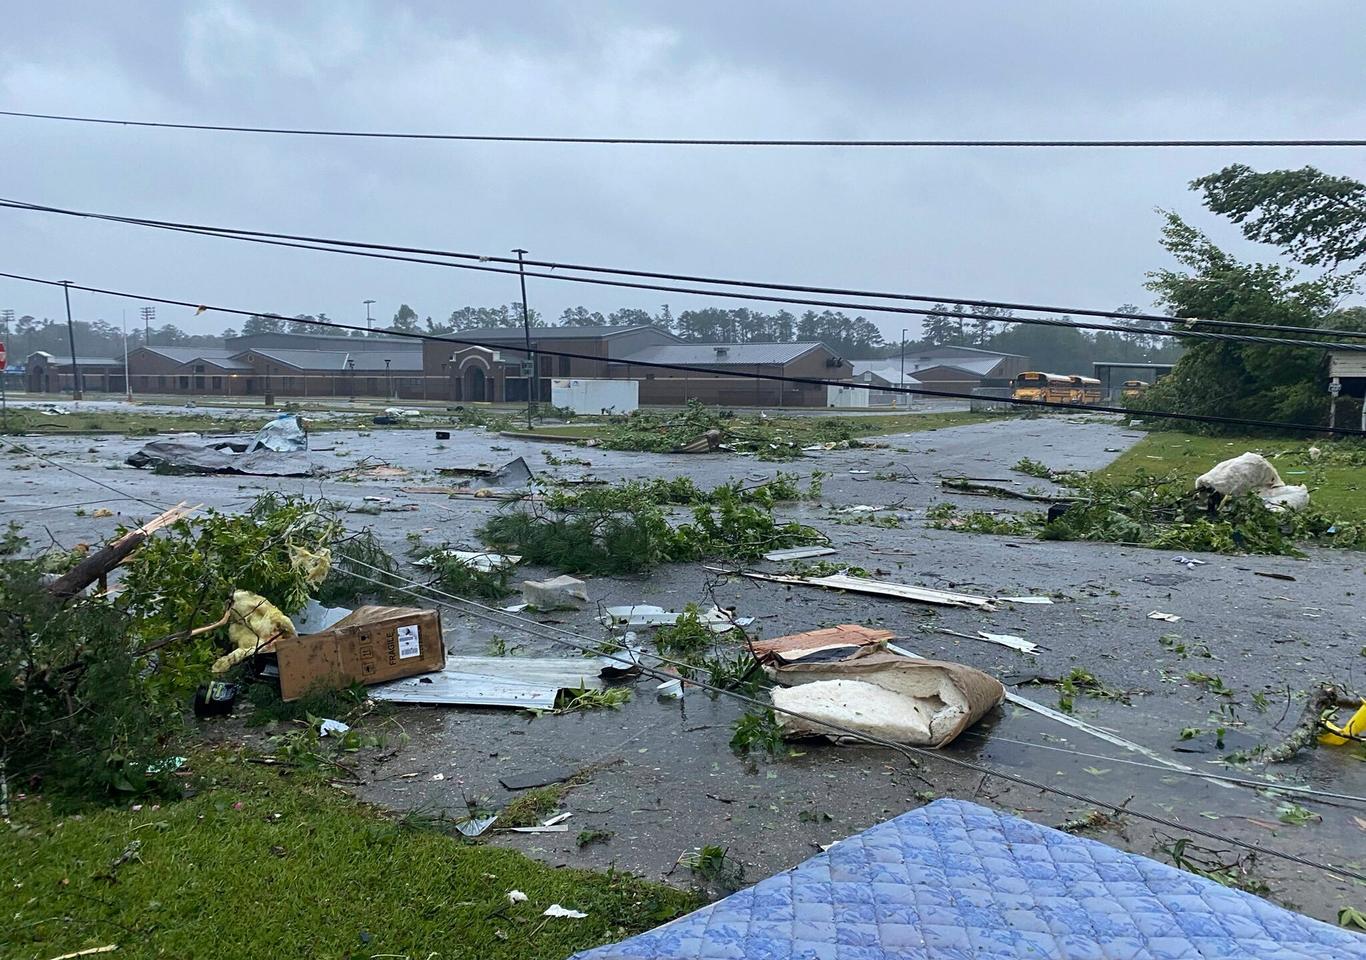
(1164, 617)
(1041, 601)
(285, 434)
(539, 829)
(649, 615)
(798, 553)
(555, 910)
(254, 626)
(1000, 639)
(329, 727)
(920, 702)
(670, 689)
(1273, 576)
(172, 456)
(474, 826)
(1075, 723)
(1190, 563)
(558, 818)
(831, 643)
(516, 896)
(559, 593)
(880, 588)
(1251, 473)
(522, 682)
(476, 560)
(514, 473)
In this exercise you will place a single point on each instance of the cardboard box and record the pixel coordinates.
(370, 645)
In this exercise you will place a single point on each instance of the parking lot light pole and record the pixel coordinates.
(526, 330)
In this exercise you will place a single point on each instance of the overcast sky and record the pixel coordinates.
(1070, 227)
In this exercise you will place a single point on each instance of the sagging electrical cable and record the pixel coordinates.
(1088, 144)
(737, 374)
(1187, 327)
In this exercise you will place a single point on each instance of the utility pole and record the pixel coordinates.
(148, 315)
(902, 382)
(526, 329)
(127, 380)
(71, 337)
(6, 317)
(367, 314)
(389, 378)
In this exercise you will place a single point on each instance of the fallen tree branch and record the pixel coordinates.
(990, 490)
(1307, 729)
(99, 563)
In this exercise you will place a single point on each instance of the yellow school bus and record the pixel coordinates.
(1132, 388)
(1084, 389)
(1034, 385)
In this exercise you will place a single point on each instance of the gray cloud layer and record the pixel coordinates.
(1074, 227)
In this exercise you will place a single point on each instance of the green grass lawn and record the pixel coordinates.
(1336, 479)
(865, 426)
(265, 861)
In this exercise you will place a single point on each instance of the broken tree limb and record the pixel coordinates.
(1306, 731)
(187, 634)
(990, 490)
(99, 563)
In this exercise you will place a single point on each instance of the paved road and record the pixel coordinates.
(671, 783)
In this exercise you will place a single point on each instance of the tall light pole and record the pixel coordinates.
(902, 382)
(526, 329)
(389, 380)
(367, 314)
(148, 315)
(71, 338)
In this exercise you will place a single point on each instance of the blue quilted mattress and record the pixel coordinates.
(956, 880)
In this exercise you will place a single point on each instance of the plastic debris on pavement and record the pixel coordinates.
(1190, 563)
(831, 643)
(798, 553)
(473, 827)
(649, 615)
(558, 593)
(330, 727)
(1041, 601)
(1165, 617)
(476, 560)
(880, 588)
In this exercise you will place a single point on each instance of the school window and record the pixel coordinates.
(161, 383)
(564, 366)
(184, 383)
(218, 383)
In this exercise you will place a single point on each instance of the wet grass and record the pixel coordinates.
(807, 427)
(1336, 480)
(273, 862)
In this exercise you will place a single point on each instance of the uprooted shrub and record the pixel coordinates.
(76, 717)
(624, 529)
(766, 438)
